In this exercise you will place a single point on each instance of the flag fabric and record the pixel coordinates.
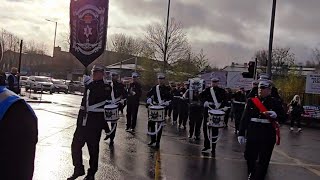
(88, 29)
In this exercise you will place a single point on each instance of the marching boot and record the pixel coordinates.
(77, 173)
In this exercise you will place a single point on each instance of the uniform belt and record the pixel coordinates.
(264, 121)
(239, 102)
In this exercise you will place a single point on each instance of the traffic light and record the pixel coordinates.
(250, 72)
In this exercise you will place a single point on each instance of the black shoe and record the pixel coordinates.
(127, 129)
(206, 150)
(107, 137)
(190, 136)
(151, 143)
(132, 130)
(111, 143)
(76, 174)
(89, 177)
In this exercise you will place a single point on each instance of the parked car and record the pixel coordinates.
(23, 80)
(39, 83)
(59, 86)
(74, 86)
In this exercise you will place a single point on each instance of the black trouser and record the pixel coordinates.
(226, 117)
(238, 111)
(214, 131)
(175, 109)
(183, 113)
(260, 144)
(195, 120)
(132, 113)
(107, 130)
(91, 136)
(122, 106)
(296, 119)
(152, 127)
(168, 110)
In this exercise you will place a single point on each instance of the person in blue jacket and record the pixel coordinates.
(17, 120)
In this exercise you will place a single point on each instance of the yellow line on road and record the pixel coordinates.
(157, 172)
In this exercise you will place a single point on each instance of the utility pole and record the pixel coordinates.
(166, 40)
(55, 34)
(273, 15)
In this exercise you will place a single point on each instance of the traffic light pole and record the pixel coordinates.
(274, 5)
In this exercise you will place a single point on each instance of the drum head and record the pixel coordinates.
(156, 107)
(110, 106)
(216, 112)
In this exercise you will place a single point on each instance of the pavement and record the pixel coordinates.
(179, 158)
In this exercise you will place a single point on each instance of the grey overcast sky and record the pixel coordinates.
(227, 30)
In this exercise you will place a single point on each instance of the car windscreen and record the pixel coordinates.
(57, 82)
(23, 78)
(40, 79)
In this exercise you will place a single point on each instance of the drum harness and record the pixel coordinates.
(95, 108)
(158, 125)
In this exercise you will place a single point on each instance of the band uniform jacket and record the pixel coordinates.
(220, 95)
(136, 87)
(254, 130)
(99, 91)
(164, 93)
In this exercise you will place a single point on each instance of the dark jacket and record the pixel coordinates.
(297, 109)
(220, 95)
(136, 87)
(251, 111)
(18, 139)
(164, 93)
(99, 92)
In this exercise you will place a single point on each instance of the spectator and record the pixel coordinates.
(296, 109)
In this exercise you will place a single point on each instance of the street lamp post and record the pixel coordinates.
(273, 15)
(166, 40)
(55, 34)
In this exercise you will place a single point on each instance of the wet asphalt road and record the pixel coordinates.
(179, 158)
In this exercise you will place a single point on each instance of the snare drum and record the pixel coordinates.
(216, 118)
(156, 113)
(111, 112)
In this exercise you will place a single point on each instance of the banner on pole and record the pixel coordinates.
(88, 29)
(313, 84)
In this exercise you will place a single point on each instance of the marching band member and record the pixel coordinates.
(159, 94)
(118, 95)
(175, 92)
(134, 94)
(239, 101)
(195, 106)
(183, 109)
(214, 98)
(90, 122)
(259, 129)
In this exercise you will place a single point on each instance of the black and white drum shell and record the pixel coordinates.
(156, 113)
(216, 118)
(111, 112)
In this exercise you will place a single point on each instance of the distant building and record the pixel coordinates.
(31, 64)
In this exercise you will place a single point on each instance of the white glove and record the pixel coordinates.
(149, 101)
(206, 104)
(122, 101)
(133, 93)
(241, 139)
(87, 79)
(225, 109)
(167, 103)
(271, 114)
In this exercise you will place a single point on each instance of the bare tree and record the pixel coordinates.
(32, 47)
(262, 57)
(282, 57)
(177, 41)
(122, 43)
(316, 55)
